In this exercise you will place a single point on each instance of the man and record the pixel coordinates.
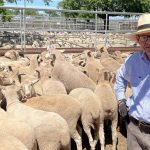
(136, 71)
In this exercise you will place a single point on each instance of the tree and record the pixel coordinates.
(138, 6)
(47, 2)
(6, 15)
(52, 13)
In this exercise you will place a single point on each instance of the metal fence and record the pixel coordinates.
(123, 22)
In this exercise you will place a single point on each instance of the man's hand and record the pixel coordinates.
(122, 108)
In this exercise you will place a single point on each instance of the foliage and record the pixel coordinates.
(47, 2)
(52, 13)
(138, 6)
(5, 14)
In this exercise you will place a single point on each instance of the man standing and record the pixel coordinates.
(136, 71)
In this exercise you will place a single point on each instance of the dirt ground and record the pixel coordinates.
(121, 145)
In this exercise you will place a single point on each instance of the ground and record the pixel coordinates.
(122, 144)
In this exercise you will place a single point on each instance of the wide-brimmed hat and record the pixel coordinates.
(142, 27)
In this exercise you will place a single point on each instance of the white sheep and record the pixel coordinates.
(18, 129)
(12, 54)
(70, 76)
(47, 85)
(43, 85)
(9, 142)
(109, 103)
(92, 113)
(66, 106)
(39, 121)
(93, 67)
(109, 62)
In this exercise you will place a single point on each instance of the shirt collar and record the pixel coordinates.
(144, 57)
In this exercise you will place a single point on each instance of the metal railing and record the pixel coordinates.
(124, 22)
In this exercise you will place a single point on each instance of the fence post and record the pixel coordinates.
(24, 24)
(21, 29)
(106, 31)
(95, 30)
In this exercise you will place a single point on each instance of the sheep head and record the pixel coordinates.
(27, 88)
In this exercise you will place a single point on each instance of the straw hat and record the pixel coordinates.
(142, 27)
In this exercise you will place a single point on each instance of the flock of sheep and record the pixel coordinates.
(62, 39)
(45, 98)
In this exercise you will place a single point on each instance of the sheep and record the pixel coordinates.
(43, 85)
(51, 87)
(9, 142)
(4, 59)
(45, 57)
(6, 79)
(70, 76)
(12, 54)
(93, 67)
(13, 59)
(24, 132)
(109, 62)
(17, 63)
(109, 103)
(26, 89)
(119, 57)
(30, 68)
(47, 85)
(92, 113)
(57, 103)
(39, 120)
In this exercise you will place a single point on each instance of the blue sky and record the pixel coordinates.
(36, 3)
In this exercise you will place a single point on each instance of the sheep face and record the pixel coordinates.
(27, 90)
(5, 79)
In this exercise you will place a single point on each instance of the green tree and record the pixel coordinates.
(6, 15)
(138, 6)
(52, 13)
(47, 2)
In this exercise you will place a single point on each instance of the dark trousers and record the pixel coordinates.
(137, 139)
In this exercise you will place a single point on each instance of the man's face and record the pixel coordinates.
(144, 41)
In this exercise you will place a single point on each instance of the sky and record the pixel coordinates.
(36, 3)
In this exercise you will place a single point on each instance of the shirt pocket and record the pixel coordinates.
(136, 81)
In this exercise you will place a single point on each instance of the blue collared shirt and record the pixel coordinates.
(135, 70)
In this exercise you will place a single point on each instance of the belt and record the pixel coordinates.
(142, 125)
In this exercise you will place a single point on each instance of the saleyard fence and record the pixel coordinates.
(112, 22)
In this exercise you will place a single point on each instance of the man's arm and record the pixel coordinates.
(120, 86)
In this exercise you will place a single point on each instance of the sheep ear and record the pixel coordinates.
(89, 53)
(53, 58)
(19, 76)
(34, 81)
(82, 63)
(39, 74)
(10, 68)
